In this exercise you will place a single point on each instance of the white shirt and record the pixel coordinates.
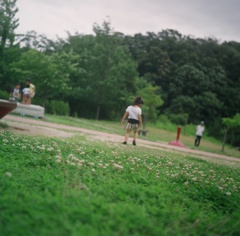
(200, 129)
(26, 91)
(134, 112)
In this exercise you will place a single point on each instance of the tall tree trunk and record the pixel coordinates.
(224, 139)
(98, 112)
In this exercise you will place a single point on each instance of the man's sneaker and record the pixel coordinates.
(124, 142)
(134, 142)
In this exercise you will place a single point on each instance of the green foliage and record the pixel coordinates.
(57, 108)
(54, 187)
(152, 99)
(232, 122)
(3, 124)
(180, 119)
(4, 95)
(106, 72)
(8, 51)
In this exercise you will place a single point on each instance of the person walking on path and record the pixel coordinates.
(199, 133)
(133, 114)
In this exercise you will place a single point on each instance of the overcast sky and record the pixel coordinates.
(218, 19)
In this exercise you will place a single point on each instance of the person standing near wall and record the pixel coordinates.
(31, 89)
(199, 133)
(15, 95)
(134, 115)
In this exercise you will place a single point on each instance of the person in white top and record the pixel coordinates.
(134, 115)
(199, 132)
(26, 95)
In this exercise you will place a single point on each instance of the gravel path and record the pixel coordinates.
(30, 126)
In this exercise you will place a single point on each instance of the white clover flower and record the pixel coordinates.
(100, 165)
(170, 163)
(228, 193)
(119, 167)
(8, 174)
(93, 170)
(220, 188)
(186, 183)
(194, 179)
(24, 147)
(5, 140)
(50, 149)
(58, 161)
(74, 159)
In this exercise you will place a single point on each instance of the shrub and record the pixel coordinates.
(57, 108)
(180, 119)
(4, 95)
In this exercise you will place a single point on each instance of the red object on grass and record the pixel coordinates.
(177, 142)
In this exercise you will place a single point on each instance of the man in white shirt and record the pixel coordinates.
(199, 132)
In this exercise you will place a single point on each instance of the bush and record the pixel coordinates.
(180, 119)
(57, 108)
(4, 95)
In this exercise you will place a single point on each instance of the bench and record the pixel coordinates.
(29, 110)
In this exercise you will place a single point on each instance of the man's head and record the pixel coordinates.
(202, 122)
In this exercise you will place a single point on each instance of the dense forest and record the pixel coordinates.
(96, 76)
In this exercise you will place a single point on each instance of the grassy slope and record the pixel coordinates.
(80, 187)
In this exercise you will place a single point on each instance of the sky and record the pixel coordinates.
(219, 19)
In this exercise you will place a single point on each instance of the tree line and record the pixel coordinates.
(184, 78)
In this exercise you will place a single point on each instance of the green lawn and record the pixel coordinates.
(78, 186)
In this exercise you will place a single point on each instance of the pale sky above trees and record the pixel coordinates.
(199, 18)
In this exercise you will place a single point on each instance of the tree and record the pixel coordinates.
(106, 73)
(8, 24)
(152, 100)
(230, 123)
(50, 73)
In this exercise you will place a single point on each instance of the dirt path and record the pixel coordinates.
(30, 126)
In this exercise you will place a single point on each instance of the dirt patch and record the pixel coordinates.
(29, 129)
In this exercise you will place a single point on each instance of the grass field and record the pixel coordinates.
(159, 132)
(78, 186)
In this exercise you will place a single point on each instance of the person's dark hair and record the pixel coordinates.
(137, 101)
(28, 80)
